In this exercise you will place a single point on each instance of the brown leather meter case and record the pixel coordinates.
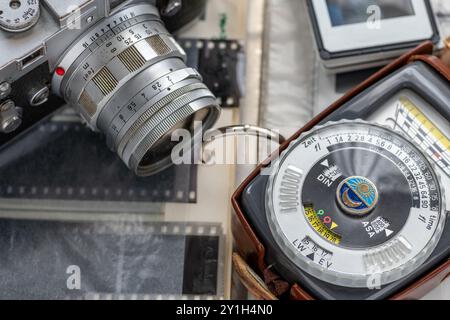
(422, 120)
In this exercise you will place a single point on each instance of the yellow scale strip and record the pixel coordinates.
(423, 119)
(320, 227)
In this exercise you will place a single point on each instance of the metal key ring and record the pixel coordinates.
(239, 130)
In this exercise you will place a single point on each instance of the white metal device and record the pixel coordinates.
(353, 35)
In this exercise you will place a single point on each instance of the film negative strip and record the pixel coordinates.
(221, 64)
(111, 260)
(107, 296)
(64, 166)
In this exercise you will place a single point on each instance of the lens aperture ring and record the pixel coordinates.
(121, 113)
(118, 108)
(150, 122)
(152, 106)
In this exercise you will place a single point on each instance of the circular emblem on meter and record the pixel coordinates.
(357, 195)
(352, 200)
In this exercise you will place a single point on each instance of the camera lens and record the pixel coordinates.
(128, 78)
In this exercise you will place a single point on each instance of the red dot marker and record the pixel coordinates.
(60, 71)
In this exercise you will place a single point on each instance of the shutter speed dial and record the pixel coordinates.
(18, 15)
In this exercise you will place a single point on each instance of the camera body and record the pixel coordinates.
(92, 54)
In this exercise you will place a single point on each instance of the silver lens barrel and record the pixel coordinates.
(128, 78)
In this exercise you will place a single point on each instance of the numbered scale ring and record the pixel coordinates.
(355, 204)
(19, 15)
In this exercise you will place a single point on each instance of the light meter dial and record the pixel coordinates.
(355, 204)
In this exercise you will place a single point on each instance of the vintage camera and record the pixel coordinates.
(114, 61)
